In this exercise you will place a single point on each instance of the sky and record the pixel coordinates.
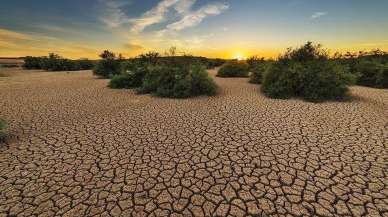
(211, 28)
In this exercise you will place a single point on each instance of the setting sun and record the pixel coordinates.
(239, 56)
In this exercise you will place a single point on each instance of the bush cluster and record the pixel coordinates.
(178, 81)
(108, 66)
(257, 72)
(213, 63)
(3, 128)
(382, 77)
(53, 62)
(234, 69)
(131, 76)
(166, 80)
(370, 68)
(371, 74)
(307, 72)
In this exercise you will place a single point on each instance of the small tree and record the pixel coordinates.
(108, 66)
(150, 58)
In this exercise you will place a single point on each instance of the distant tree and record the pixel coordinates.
(108, 66)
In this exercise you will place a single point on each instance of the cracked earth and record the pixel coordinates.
(78, 148)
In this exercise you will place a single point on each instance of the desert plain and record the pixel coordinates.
(78, 148)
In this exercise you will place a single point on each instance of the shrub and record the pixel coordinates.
(201, 83)
(213, 63)
(178, 81)
(382, 77)
(367, 72)
(258, 72)
(325, 80)
(56, 63)
(150, 58)
(307, 72)
(122, 81)
(281, 80)
(132, 76)
(108, 66)
(254, 61)
(32, 62)
(85, 64)
(234, 69)
(3, 128)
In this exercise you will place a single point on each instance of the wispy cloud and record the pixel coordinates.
(184, 6)
(318, 14)
(22, 44)
(153, 16)
(115, 16)
(133, 46)
(194, 18)
(12, 36)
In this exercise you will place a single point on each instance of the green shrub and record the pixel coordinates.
(151, 79)
(254, 61)
(85, 64)
(382, 77)
(108, 66)
(131, 77)
(213, 63)
(3, 128)
(201, 83)
(307, 72)
(122, 81)
(234, 69)
(32, 62)
(258, 72)
(56, 63)
(178, 81)
(324, 80)
(367, 72)
(281, 80)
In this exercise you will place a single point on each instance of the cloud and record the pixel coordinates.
(319, 14)
(12, 36)
(194, 18)
(22, 44)
(132, 46)
(184, 6)
(153, 16)
(115, 16)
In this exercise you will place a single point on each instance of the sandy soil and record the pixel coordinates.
(80, 149)
(11, 61)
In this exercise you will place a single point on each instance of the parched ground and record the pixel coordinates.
(80, 149)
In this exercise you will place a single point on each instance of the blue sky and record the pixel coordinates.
(215, 28)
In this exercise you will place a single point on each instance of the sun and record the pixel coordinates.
(239, 56)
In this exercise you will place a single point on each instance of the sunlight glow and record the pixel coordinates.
(239, 56)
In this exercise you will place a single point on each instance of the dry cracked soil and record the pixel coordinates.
(78, 148)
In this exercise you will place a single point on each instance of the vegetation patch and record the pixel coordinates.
(370, 68)
(178, 81)
(307, 72)
(234, 69)
(108, 66)
(257, 67)
(3, 129)
(168, 76)
(54, 62)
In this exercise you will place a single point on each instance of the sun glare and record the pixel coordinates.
(239, 56)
